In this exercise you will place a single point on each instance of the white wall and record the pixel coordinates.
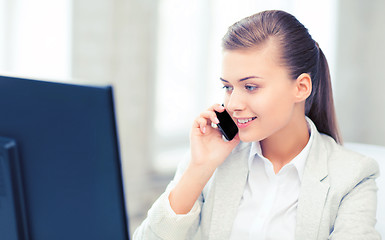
(35, 38)
(114, 43)
(360, 75)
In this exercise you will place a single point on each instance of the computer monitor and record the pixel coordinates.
(60, 169)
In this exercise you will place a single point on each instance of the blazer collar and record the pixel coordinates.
(314, 189)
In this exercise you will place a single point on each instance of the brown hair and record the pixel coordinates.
(300, 54)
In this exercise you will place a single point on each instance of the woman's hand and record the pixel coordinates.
(208, 148)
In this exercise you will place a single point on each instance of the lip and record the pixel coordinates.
(244, 125)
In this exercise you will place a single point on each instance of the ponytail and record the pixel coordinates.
(319, 106)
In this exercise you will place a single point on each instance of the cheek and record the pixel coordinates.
(275, 104)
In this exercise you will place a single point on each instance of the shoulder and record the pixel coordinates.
(347, 166)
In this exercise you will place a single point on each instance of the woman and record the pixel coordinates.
(285, 175)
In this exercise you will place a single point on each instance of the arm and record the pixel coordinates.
(208, 151)
(163, 223)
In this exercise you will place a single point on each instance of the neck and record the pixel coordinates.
(287, 143)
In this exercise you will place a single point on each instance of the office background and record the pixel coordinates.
(163, 59)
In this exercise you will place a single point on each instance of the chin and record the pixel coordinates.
(248, 138)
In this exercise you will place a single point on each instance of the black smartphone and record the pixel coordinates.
(226, 125)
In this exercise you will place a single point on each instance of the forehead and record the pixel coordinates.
(261, 61)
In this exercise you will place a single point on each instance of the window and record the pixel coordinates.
(35, 38)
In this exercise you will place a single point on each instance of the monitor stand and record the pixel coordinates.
(13, 217)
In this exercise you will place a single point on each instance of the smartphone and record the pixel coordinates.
(226, 125)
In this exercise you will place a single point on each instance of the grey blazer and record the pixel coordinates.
(338, 198)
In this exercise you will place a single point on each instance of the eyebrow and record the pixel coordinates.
(242, 79)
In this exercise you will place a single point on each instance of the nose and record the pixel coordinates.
(235, 102)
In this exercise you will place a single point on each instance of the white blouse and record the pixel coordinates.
(268, 206)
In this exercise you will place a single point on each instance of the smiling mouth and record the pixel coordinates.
(245, 120)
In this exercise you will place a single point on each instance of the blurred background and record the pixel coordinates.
(163, 59)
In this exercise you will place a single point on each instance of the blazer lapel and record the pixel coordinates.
(314, 190)
(228, 187)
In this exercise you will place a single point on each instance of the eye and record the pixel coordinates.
(228, 88)
(251, 88)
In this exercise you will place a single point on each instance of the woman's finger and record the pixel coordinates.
(210, 114)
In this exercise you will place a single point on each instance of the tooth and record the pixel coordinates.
(244, 120)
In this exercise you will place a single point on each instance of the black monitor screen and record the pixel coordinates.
(60, 169)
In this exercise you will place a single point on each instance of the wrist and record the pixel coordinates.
(187, 191)
(200, 174)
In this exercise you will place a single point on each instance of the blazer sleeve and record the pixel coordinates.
(162, 223)
(356, 217)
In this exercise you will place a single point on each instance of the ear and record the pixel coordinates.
(303, 87)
